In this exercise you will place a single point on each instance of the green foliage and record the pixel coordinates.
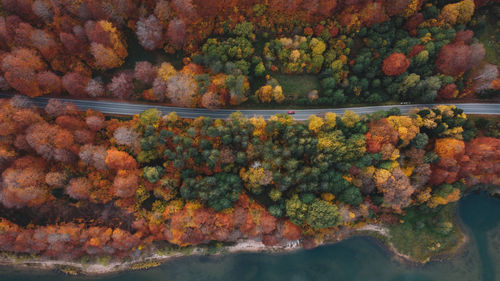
(219, 191)
(351, 196)
(275, 194)
(296, 210)
(318, 214)
(231, 55)
(153, 174)
(420, 141)
(244, 29)
(426, 232)
(276, 211)
(322, 214)
(150, 117)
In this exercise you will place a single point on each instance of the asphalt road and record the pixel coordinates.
(127, 108)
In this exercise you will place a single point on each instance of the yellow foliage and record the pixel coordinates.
(424, 195)
(265, 93)
(172, 208)
(381, 176)
(219, 80)
(118, 46)
(405, 126)
(324, 143)
(446, 110)
(408, 170)
(278, 94)
(331, 119)
(394, 155)
(429, 123)
(426, 38)
(350, 118)
(438, 200)
(449, 147)
(458, 13)
(192, 206)
(411, 8)
(294, 55)
(327, 197)
(315, 123)
(107, 26)
(285, 119)
(352, 215)
(259, 125)
(331, 141)
(347, 178)
(454, 132)
(318, 47)
(419, 122)
(369, 171)
(286, 42)
(255, 177)
(218, 122)
(172, 117)
(166, 71)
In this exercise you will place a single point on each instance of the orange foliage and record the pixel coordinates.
(395, 64)
(24, 183)
(120, 160)
(292, 231)
(449, 148)
(450, 151)
(480, 162)
(20, 68)
(381, 132)
(125, 183)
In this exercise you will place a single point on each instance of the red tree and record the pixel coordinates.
(20, 68)
(79, 188)
(24, 183)
(75, 84)
(177, 32)
(125, 183)
(49, 83)
(395, 64)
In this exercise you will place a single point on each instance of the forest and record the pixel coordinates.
(229, 53)
(80, 184)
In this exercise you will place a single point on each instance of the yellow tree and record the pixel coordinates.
(166, 71)
(350, 118)
(405, 126)
(259, 125)
(458, 13)
(315, 123)
(265, 93)
(278, 94)
(331, 119)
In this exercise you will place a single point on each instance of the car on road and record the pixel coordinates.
(291, 111)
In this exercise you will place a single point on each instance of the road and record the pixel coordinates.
(127, 108)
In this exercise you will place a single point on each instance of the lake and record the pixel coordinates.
(357, 258)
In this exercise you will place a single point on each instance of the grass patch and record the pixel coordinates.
(490, 34)
(297, 85)
(426, 232)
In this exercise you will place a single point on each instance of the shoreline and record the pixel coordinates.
(378, 233)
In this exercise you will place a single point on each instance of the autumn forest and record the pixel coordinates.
(79, 185)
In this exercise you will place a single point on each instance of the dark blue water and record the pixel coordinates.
(354, 259)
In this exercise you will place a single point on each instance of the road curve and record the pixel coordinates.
(127, 108)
